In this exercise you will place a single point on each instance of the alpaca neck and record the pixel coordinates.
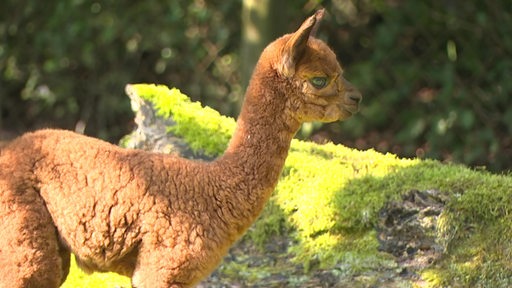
(257, 151)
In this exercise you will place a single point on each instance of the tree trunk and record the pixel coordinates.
(262, 22)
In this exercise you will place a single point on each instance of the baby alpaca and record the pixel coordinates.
(163, 220)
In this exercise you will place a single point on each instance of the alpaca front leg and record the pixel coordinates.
(30, 255)
(150, 277)
(156, 268)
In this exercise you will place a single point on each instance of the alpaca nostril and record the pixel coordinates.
(355, 97)
(352, 94)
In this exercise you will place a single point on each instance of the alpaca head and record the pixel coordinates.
(316, 89)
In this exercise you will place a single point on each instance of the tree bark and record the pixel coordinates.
(262, 22)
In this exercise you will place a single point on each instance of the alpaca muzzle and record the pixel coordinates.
(352, 97)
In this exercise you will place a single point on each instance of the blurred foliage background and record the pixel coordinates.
(434, 74)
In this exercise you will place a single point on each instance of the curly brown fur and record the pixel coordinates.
(163, 220)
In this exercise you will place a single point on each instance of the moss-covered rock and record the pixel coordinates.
(327, 221)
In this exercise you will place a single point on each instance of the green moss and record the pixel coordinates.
(329, 197)
(201, 127)
(242, 269)
(479, 255)
(79, 279)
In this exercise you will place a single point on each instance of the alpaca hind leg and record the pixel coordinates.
(30, 254)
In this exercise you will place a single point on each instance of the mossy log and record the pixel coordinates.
(340, 217)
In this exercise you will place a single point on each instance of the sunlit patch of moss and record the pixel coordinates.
(431, 278)
(202, 128)
(79, 279)
(333, 220)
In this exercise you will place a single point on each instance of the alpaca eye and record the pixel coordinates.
(318, 82)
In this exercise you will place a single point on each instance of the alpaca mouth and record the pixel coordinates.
(351, 108)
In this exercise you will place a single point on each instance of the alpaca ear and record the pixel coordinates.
(296, 45)
(319, 15)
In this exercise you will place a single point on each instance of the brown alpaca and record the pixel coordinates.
(163, 220)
